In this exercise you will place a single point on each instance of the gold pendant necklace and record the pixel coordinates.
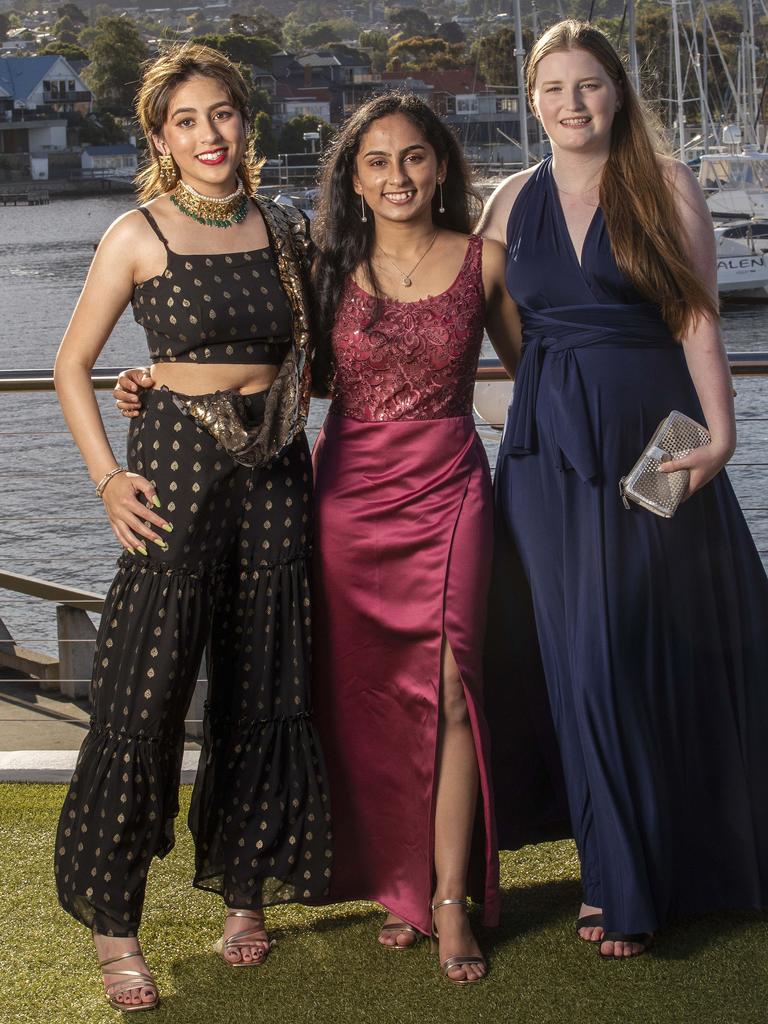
(407, 277)
(213, 211)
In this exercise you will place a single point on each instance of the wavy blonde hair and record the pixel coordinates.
(162, 76)
(643, 223)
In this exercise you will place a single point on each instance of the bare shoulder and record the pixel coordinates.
(494, 253)
(695, 218)
(509, 189)
(126, 232)
(683, 183)
(494, 266)
(493, 223)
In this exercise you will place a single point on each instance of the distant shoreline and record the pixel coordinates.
(62, 187)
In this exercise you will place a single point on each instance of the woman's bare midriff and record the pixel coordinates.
(189, 379)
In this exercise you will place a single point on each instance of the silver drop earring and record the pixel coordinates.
(441, 208)
(363, 218)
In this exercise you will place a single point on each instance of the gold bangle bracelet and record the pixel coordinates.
(106, 478)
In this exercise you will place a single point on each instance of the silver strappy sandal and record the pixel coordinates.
(244, 938)
(454, 961)
(130, 980)
(397, 928)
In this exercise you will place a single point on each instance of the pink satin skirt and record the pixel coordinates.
(403, 549)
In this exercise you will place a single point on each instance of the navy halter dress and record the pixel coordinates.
(653, 633)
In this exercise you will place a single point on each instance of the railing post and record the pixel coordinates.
(75, 658)
(6, 640)
(194, 726)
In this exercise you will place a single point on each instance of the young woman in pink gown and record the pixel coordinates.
(404, 526)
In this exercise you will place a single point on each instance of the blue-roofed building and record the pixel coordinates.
(41, 86)
(116, 161)
(36, 93)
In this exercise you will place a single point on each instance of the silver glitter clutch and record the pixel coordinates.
(675, 437)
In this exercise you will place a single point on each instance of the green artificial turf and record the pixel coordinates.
(327, 966)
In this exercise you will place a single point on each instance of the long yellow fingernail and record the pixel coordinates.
(168, 528)
(141, 548)
(160, 543)
(156, 501)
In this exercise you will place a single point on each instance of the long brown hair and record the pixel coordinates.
(644, 226)
(165, 74)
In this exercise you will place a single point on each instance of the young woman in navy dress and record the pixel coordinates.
(652, 632)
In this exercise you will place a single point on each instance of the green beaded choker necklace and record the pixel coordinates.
(213, 211)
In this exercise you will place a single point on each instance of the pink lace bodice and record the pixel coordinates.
(418, 361)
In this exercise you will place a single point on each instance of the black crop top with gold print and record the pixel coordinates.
(222, 308)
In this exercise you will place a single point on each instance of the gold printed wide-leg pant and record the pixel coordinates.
(235, 580)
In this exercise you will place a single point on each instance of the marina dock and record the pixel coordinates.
(32, 198)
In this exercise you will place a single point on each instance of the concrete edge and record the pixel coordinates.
(58, 765)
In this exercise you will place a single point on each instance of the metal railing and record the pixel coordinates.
(76, 633)
(742, 364)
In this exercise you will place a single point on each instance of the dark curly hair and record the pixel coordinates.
(343, 241)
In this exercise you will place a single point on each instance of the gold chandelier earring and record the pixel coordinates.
(169, 172)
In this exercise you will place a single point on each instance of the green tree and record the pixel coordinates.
(291, 137)
(260, 101)
(263, 134)
(377, 45)
(116, 50)
(451, 32)
(495, 56)
(242, 49)
(374, 39)
(255, 20)
(198, 23)
(64, 31)
(68, 10)
(331, 31)
(98, 130)
(346, 50)
(5, 24)
(434, 54)
(69, 51)
(412, 21)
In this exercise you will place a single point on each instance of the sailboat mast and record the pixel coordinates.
(705, 79)
(700, 80)
(522, 103)
(678, 81)
(753, 99)
(634, 70)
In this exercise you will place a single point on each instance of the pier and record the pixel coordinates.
(33, 198)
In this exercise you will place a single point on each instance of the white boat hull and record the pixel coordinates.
(742, 274)
(492, 400)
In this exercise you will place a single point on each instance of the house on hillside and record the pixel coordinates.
(35, 94)
(486, 118)
(314, 83)
(44, 86)
(116, 161)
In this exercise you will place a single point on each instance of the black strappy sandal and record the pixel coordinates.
(644, 939)
(590, 921)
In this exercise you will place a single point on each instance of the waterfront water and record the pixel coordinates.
(51, 524)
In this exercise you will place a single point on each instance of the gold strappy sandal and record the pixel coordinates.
(138, 979)
(397, 927)
(454, 961)
(242, 938)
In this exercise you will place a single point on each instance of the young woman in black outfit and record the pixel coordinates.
(213, 514)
